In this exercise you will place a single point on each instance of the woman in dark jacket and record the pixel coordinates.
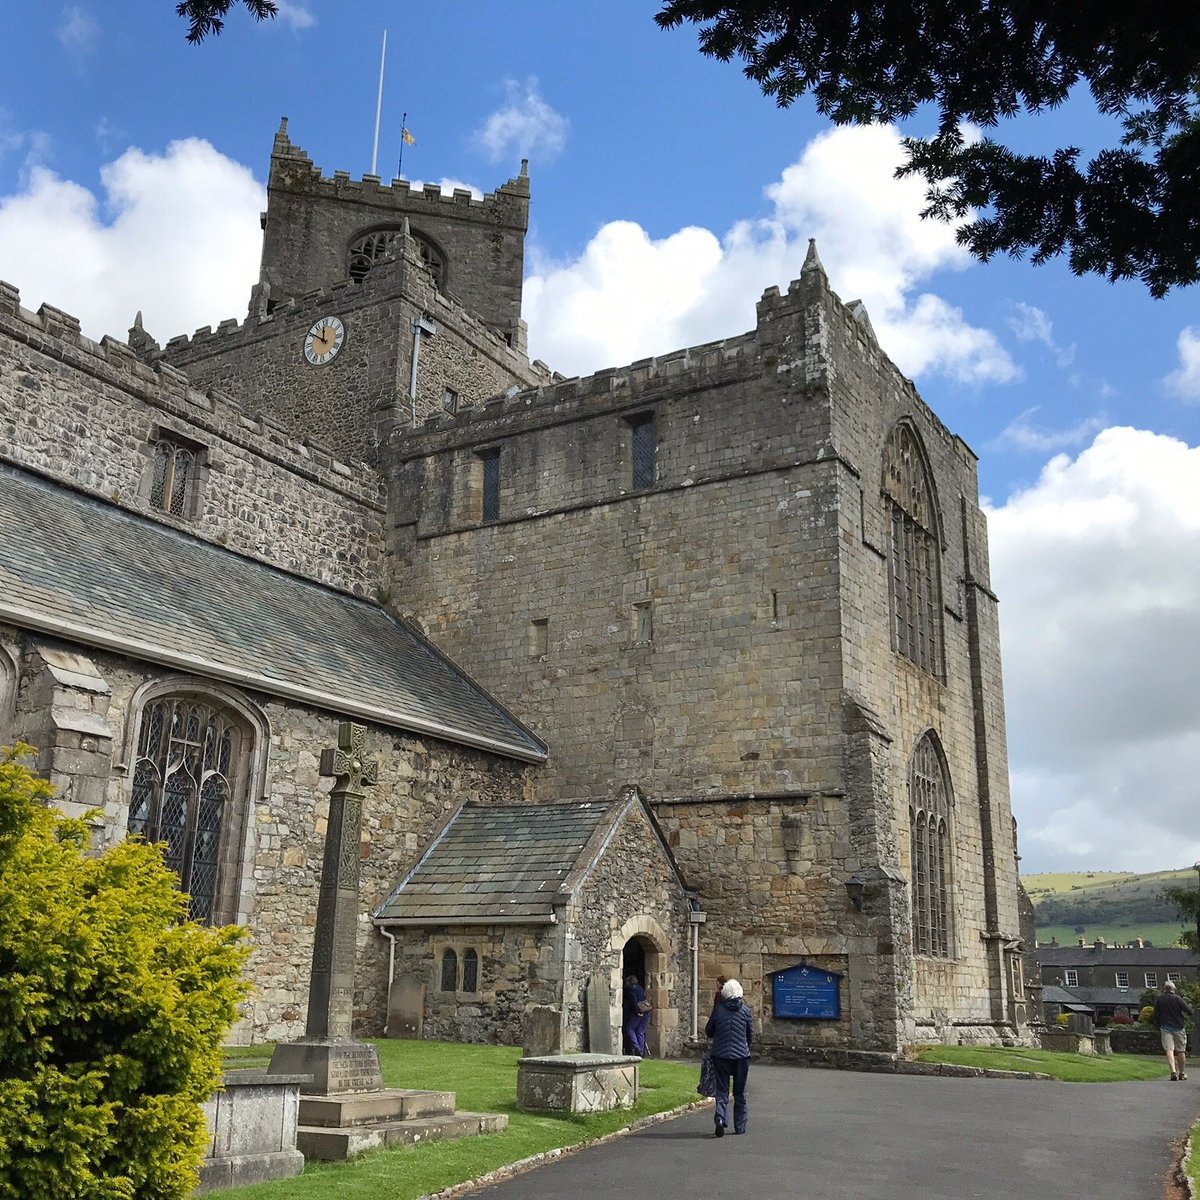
(730, 1029)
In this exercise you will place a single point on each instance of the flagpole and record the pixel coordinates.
(378, 105)
(403, 131)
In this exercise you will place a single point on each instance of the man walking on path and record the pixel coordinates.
(1169, 1011)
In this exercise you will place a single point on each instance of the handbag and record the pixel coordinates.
(708, 1076)
(644, 1006)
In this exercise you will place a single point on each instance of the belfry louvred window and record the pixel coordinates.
(374, 247)
(914, 553)
(182, 783)
(930, 850)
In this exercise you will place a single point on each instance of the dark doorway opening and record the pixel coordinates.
(633, 961)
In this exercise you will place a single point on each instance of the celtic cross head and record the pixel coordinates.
(348, 764)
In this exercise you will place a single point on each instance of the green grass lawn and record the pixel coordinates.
(485, 1080)
(1071, 1068)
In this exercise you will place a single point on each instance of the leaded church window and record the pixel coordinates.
(174, 471)
(449, 971)
(914, 557)
(182, 791)
(930, 850)
(373, 247)
(470, 979)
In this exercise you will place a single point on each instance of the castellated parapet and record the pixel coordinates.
(312, 221)
(92, 413)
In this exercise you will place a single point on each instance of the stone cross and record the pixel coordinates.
(331, 989)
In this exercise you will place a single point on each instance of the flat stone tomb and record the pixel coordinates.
(333, 1128)
(577, 1082)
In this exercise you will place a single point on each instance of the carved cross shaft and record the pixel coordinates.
(331, 987)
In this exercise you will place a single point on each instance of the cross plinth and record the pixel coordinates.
(327, 1051)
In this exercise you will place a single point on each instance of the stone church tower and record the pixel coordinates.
(746, 583)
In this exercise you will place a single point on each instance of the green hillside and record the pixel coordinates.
(1115, 905)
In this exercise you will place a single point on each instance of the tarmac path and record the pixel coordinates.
(837, 1135)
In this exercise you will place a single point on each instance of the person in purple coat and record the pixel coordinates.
(730, 1028)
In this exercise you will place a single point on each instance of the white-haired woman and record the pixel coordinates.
(730, 1028)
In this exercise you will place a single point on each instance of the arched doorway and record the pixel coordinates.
(640, 958)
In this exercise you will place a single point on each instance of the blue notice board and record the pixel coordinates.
(806, 992)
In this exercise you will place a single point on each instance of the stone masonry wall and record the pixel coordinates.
(632, 892)
(518, 967)
(724, 639)
(967, 996)
(279, 849)
(88, 414)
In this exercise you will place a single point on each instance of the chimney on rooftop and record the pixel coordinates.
(1099, 944)
(1139, 943)
(1082, 942)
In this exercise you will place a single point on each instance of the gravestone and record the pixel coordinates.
(406, 1006)
(541, 1031)
(327, 1052)
(599, 1014)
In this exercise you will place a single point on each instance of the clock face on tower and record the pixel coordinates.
(324, 340)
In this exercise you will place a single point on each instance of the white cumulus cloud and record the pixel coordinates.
(174, 234)
(1024, 433)
(294, 14)
(525, 127)
(643, 296)
(79, 31)
(1184, 381)
(1097, 566)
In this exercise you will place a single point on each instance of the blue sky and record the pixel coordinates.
(667, 194)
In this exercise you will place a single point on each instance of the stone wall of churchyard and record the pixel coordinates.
(355, 400)
(272, 855)
(631, 893)
(519, 967)
(966, 996)
(90, 414)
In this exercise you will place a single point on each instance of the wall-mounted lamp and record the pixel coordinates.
(855, 889)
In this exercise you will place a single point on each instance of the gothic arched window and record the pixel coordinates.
(183, 787)
(470, 979)
(174, 473)
(914, 556)
(8, 696)
(449, 971)
(370, 248)
(929, 803)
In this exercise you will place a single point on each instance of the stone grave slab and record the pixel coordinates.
(581, 1083)
(406, 1006)
(599, 1014)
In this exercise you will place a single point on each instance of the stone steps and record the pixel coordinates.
(333, 1144)
(364, 1108)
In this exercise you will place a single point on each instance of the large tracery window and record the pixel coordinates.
(182, 790)
(929, 850)
(914, 557)
(373, 247)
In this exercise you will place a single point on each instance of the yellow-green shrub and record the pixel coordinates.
(1146, 1014)
(1063, 1019)
(113, 1009)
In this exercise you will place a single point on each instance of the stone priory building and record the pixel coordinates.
(713, 631)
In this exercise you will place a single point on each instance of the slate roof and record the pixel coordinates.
(77, 567)
(1057, 995)
(1127, 997)
(1115, 956)
(504, 862)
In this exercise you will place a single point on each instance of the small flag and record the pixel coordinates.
(407, 138)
